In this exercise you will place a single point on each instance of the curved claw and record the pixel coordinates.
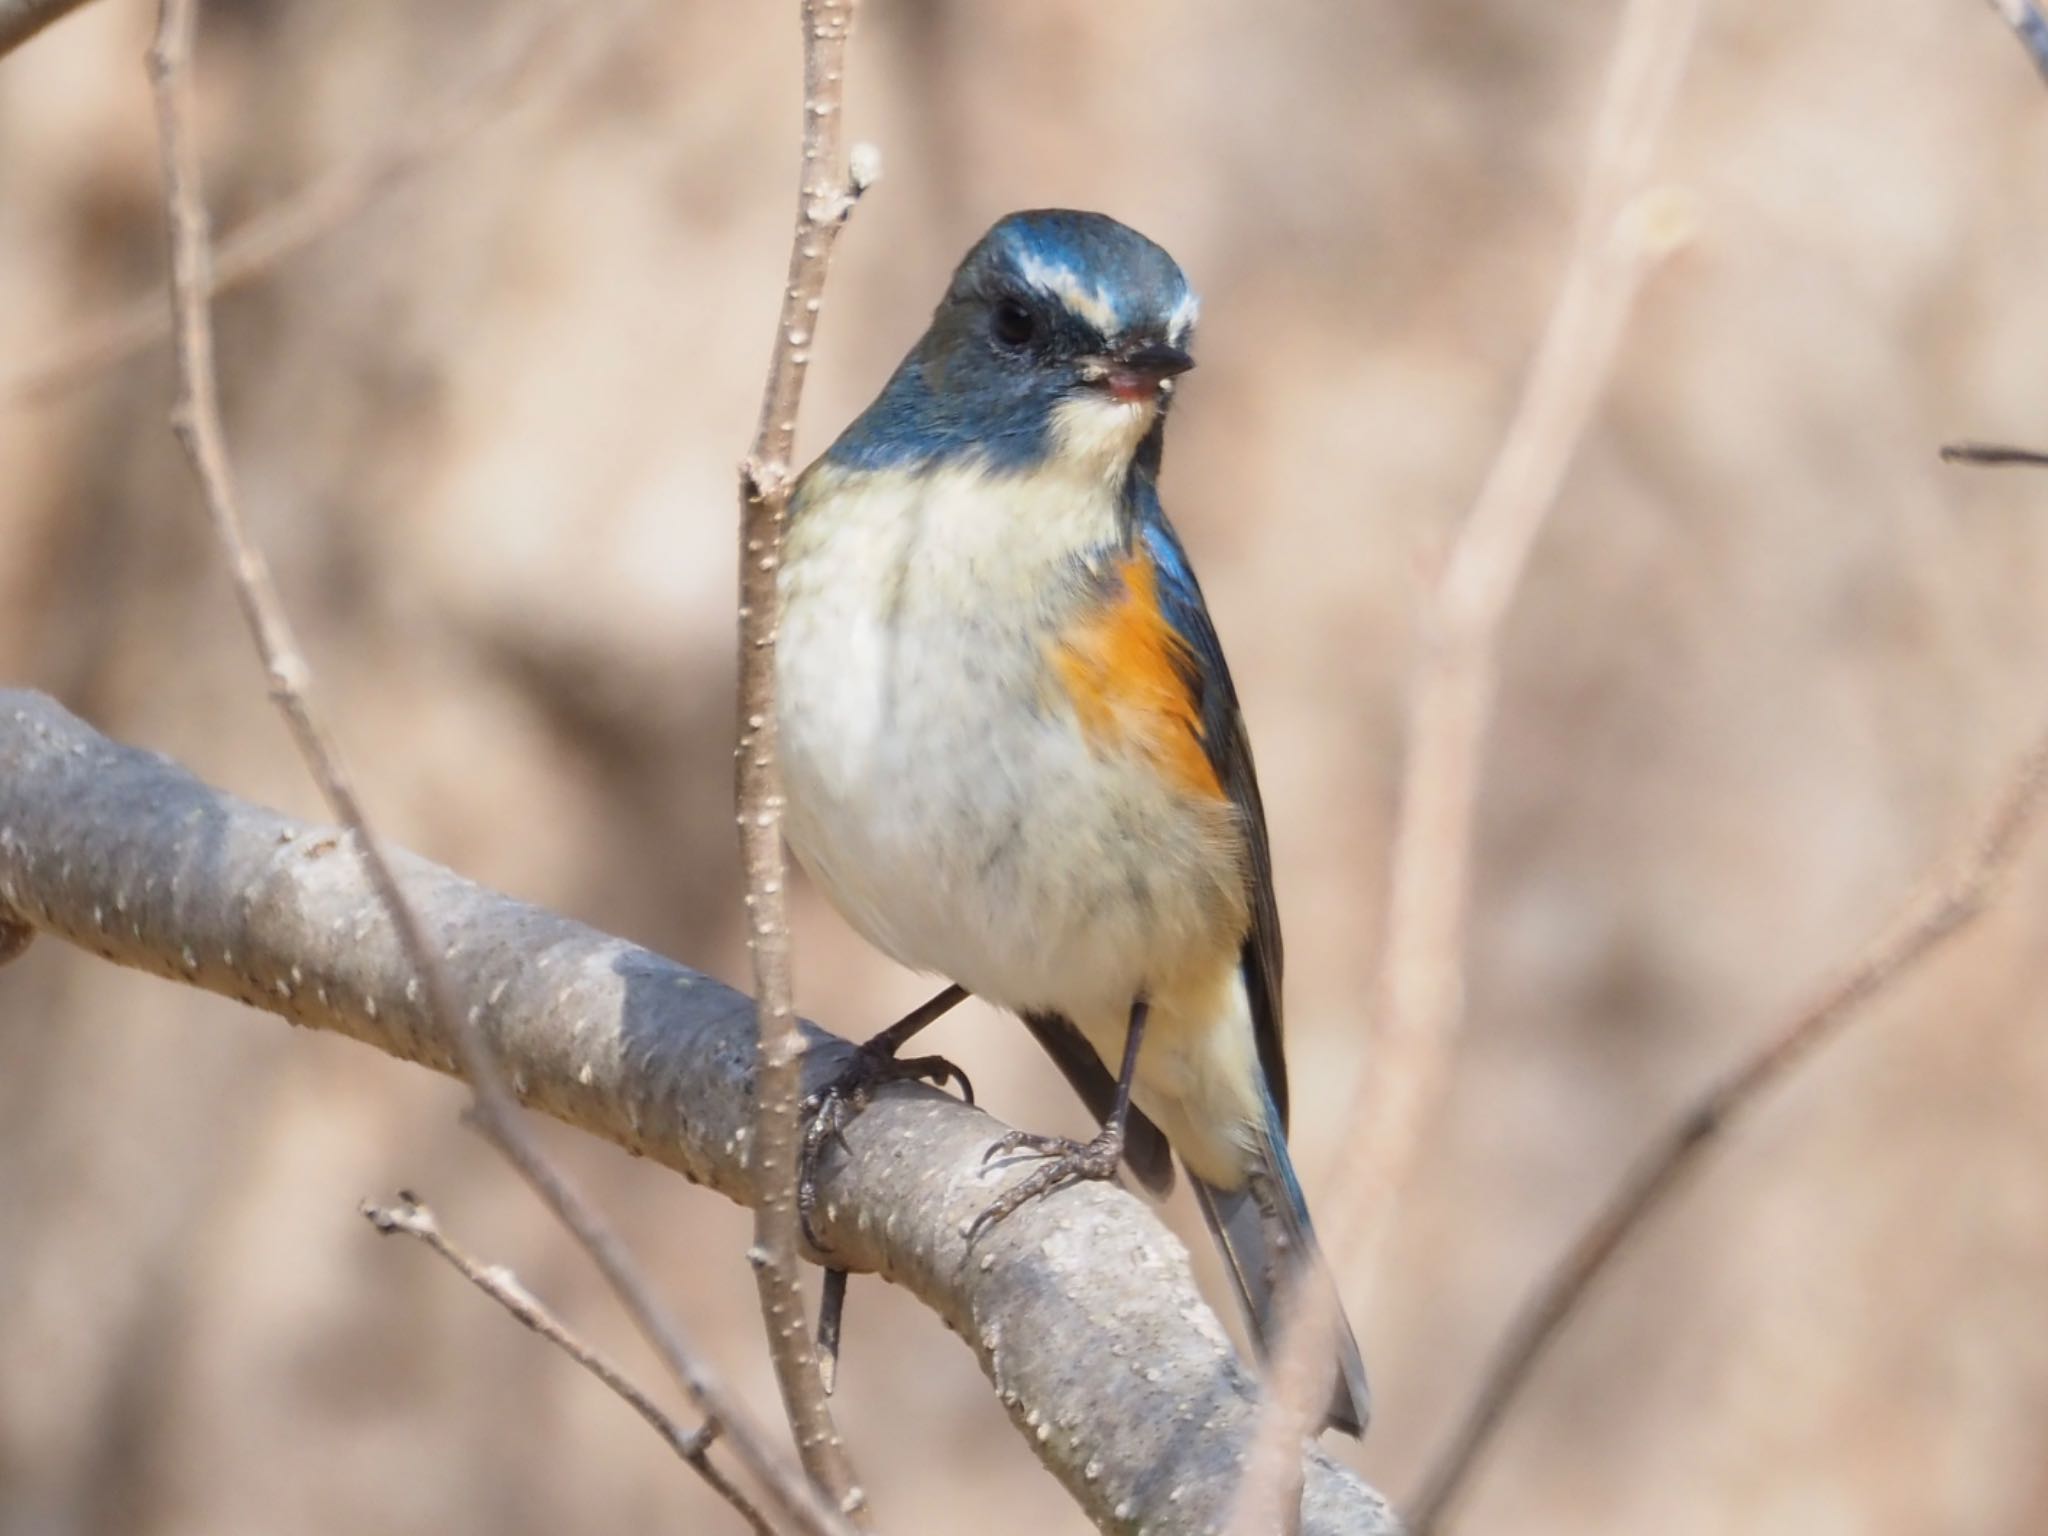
(829, 1110)
(982, 1223)
(804, 1208)
(937, 1071)
(816, 1133)
(1067, 1162)
(1032, 1144)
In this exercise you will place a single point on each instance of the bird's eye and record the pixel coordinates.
(1015, 325)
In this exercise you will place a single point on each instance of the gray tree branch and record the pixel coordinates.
(1080, 1309)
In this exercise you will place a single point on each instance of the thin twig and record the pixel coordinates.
(1943, 907)
(534, 37)
(827, 187)
(1990, 453)
(196, 419)
(413, 1219)
(2031, 27)
(21, 20)
(1419, 1000)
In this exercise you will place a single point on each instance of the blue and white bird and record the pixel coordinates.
(1013, 753)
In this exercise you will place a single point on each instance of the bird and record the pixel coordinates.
(1012, 753)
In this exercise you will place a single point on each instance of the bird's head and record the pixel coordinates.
(1057, 343)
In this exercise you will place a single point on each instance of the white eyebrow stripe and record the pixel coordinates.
(1091, 304)
(1185, 313)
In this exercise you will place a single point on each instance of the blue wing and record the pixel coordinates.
(1230, 753)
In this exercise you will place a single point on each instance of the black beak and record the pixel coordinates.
(1155, 360)
(1140, 372)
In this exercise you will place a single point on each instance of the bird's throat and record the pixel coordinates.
(1096, 433)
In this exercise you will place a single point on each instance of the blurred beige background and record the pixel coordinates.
(1771, 660)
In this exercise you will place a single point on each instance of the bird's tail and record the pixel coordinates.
(1268, 1249)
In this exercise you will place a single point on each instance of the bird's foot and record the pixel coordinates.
(1066, 1162)
(829, 1111)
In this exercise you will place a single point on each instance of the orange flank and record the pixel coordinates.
(1122, 666)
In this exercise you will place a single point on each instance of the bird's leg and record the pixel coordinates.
(1068, 1162)
(832, 1108)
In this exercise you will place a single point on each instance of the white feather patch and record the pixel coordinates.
(1091, 302)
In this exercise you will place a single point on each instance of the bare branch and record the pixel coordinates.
(1990, 453)
(2030, 25)
(533, 40)
(1082, 1310)
(21, 20)
(1942, 909)
(413, 1219)
(196, 419)
(826, 189)
(1417, 1010)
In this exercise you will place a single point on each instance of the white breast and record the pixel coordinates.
(940, 787)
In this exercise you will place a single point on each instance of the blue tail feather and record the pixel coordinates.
(1266, 1249)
